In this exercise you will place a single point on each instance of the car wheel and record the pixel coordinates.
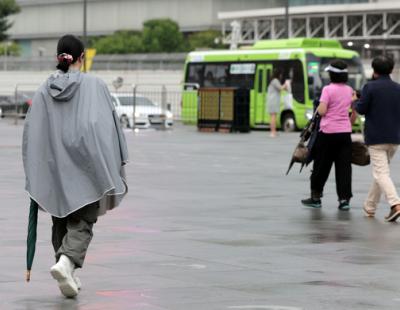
(124, 121)
(288, 122)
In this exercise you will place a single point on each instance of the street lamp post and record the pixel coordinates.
(286, 18)
(385, 36)
(84, 31)
(41, 51)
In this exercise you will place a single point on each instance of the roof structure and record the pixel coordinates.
(365, 21)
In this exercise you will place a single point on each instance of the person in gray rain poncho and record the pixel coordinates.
(73, 153)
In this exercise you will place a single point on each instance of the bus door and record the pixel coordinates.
(259, 110)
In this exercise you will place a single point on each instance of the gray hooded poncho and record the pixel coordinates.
(73, 147)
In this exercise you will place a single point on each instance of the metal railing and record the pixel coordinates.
(127, 62)
(18, 104)
(139, 100)
(141, 105)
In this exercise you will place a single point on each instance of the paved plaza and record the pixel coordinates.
(210, 222)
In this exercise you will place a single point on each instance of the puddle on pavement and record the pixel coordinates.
(365, 259)
(236, 243)
(328, 283)
(264, 307)
(338, 236)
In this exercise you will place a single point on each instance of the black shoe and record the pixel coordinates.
(344, 205)
(312, 203)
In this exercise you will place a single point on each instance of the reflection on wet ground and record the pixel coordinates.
(210, 223)
(45, 303)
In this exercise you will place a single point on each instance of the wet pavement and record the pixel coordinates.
(210, 222)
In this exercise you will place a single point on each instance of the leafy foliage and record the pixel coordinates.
(12, 49)
(205, 39)
(7, 7)
(162, 35)
(121, 42)
(158, 36)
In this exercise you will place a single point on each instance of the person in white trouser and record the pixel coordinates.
(380, 103)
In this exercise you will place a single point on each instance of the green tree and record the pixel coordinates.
(121, 42)
(162, 36)
(12, 49)
(7, 7)
(205, 39)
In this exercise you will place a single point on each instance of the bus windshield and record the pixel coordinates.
(320, 78)
(242, 74)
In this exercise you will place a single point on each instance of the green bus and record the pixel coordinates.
(301, 60)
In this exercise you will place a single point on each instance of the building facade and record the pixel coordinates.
(41, 22)
(370, 27)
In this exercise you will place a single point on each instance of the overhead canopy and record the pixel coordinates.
(312, 9)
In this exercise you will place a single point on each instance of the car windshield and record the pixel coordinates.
(316, 70)
(142, 101)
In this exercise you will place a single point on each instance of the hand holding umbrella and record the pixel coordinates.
(301, 153)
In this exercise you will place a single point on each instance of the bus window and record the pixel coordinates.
(209, 80)
(260, 80)
(241, 75)
(195, 74)
(216, 75)
(292, 70)
(354, 67)
(297, 78)
(316, 68)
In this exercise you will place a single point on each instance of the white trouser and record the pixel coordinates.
(381, 154)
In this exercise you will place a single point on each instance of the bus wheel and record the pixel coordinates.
(288, 122)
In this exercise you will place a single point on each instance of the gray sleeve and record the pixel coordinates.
(276, 84)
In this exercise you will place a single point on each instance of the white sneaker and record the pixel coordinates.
(77, 281)
(63, 273)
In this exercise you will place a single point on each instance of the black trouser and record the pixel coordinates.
(329, 149)
(71, 235)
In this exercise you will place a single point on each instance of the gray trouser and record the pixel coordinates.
(71, 235)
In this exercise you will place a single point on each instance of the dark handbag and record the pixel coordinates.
(300, 154)
(359, 154)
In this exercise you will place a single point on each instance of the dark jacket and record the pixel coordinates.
(380, 103)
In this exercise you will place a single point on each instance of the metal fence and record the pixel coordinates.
(128, 62)
(138, 106)
(17, 104)
(147, 105)
(173, 61)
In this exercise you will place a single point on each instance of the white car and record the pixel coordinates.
(143, 114)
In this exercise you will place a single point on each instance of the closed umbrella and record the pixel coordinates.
(302, 153)
(31, 239)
